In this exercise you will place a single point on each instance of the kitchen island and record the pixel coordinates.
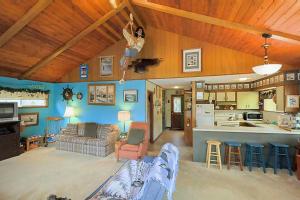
(260, 133)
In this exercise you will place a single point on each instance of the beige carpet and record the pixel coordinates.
(36, 174)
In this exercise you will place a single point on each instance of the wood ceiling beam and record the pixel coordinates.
(120, 22)
(113, 31)
(73, 41)
(215, 21)
(112, 39)
(135, 16)
(24, 20)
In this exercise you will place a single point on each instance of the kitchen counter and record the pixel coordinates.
(261, 133)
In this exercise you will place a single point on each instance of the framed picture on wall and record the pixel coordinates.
(292, 101)
(227, 87)
(290, 76)
(215, 87)
(102, 94)
(200, 95)
(29, 119)
(106, 65)
(192, 60)
(130, 96)
(199, 85)
(221, 87)
(233, 86)
(240, 86)
(83, 71)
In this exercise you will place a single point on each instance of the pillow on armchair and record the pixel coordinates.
(135, 136)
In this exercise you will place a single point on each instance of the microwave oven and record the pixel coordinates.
(254, 116)
(9, 111)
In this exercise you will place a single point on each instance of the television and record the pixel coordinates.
(9, 111)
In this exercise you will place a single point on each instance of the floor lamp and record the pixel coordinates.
(123, 116)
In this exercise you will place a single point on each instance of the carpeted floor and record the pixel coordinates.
(36, 174)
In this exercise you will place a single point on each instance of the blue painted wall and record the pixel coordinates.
(43, 112)
(84, 112)
(102, 113)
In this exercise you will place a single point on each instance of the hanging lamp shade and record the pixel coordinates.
(266, 68)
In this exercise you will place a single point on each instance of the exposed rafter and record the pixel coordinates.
(73, 41)
(215, 21)
(106, 35)
(136, 17)
(112, 31)
(24, 20)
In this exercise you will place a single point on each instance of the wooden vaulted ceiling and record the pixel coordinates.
(59, 35)
(45, 39)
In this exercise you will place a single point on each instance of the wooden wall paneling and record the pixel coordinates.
(106, 35)
(216, 60)
(72, 41)
(112, 31)
(23, 21)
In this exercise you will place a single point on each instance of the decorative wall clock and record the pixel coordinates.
(67, 93)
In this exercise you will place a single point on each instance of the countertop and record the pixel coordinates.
(260, 128)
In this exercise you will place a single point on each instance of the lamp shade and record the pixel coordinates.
(267, 69)
(123, 115)
(69, 112)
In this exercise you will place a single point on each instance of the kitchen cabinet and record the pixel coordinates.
(280, 99)
(221, 96)
(206, 96)
(247, 100)
(226, 96)
(230, 96)
(212, 95)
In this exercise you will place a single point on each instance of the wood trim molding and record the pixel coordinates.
(216, 21)
(24, 20)
(73, 41)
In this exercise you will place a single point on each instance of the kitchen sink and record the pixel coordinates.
(246, 124)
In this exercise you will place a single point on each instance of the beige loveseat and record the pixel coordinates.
(81, 138)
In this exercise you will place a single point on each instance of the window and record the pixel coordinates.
(177, 105)
(27, 102)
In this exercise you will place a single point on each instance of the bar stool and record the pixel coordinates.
(280, 150)
(216, 154)
(233, 149)
(255, 151)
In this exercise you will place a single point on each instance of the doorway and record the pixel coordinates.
(150, 114)
(177, 114)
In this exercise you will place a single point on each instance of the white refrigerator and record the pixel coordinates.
(205, 115)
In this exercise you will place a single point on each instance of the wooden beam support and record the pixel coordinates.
(112, 39)
(215, 21)
(73, 41)
(120, 22)
(113, 31)
(135, 16)
(24, 20)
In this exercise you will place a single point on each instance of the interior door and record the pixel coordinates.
(177, 115)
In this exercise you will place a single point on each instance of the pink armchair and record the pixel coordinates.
(133, 152)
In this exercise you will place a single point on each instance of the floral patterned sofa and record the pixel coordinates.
(88, 138)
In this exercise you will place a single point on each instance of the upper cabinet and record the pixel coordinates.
(247, 100)
(280, 99)
(226, 96)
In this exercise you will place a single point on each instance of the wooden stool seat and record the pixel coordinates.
(215, 154)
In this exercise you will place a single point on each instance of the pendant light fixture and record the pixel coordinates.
(266, 68)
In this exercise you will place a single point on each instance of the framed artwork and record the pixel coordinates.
(106, 65)
(102, 94)
(199, 85)
(29, 119)
(200, 95)
(233, 86)
(221, 87)
(227, 87)
(192, 60)
(246, 86)
(209, 87)
(292, 101)
(240, 86)
(290, 76)
(84, 71)
(130, 96)
(215, 87)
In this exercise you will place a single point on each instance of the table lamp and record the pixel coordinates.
(69, 112)
(124, 116)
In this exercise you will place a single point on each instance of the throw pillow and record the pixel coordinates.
(90, 130)
(135, 136)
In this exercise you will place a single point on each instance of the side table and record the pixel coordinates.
(33, 142)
